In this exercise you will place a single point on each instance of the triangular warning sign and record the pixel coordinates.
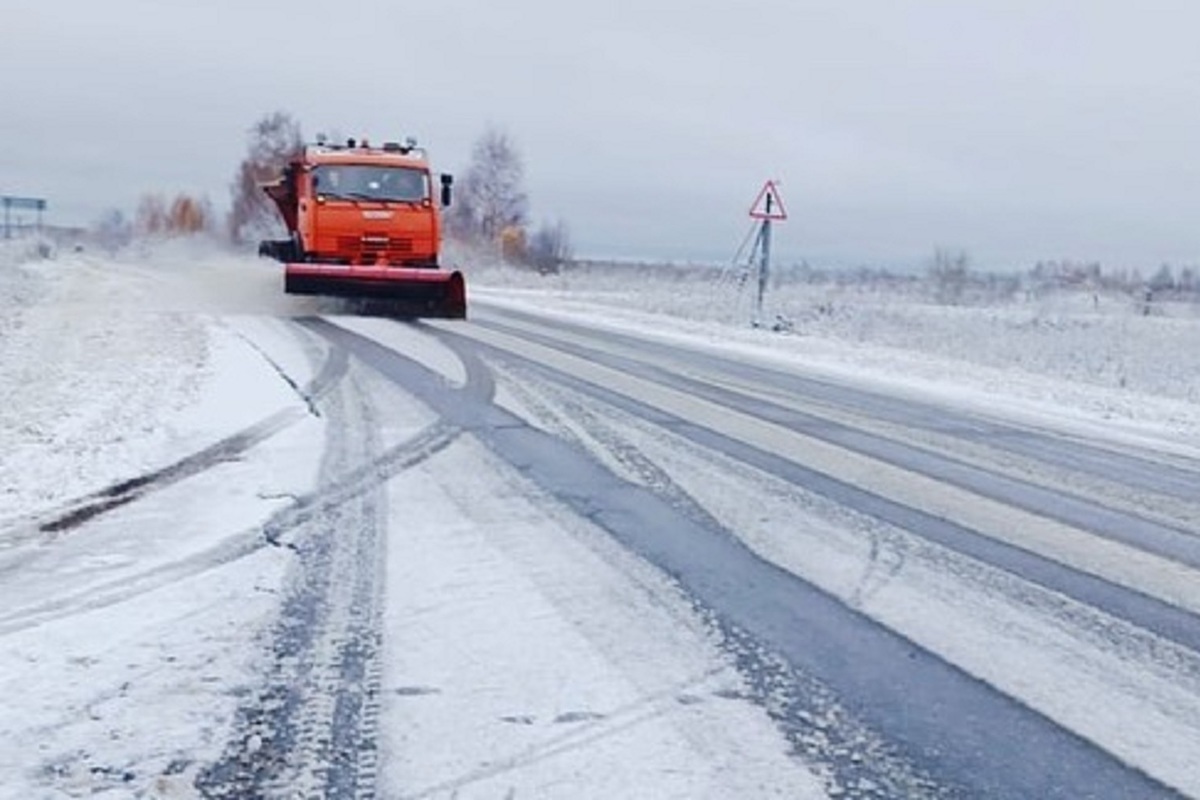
(768, 204)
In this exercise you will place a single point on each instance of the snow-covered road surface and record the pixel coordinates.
(250, 546)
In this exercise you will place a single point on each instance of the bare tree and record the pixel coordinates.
(273, 141)
(491, 196)
(550, 247)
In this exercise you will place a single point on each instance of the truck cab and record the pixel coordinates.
(364, 221)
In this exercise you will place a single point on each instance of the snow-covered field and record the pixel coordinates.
(113, 368)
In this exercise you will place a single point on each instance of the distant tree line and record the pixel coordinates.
(184, 215)
(950, 279)
(1166, 279)
(156, 216)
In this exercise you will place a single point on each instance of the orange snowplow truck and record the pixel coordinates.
(364, 222)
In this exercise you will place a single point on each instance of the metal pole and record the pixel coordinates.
(764, 269)
(7, 229)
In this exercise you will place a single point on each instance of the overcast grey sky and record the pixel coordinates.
(1015, 130)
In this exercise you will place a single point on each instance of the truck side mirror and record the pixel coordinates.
(447, 181)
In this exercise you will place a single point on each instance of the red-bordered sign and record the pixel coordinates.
(768, 204)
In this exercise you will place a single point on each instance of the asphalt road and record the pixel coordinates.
(517, 556)
(940, 694)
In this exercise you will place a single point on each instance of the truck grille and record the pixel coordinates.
(372, 247)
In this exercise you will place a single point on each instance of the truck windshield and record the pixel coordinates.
(362, 182)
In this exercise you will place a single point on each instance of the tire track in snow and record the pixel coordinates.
(301, 734)
(579, 423)
(75, 513)
(274, 532)
(310, 730)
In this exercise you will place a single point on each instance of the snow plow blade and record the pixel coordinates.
(406, 291)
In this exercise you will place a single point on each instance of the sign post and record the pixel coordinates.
(768, 207)
(32, 203)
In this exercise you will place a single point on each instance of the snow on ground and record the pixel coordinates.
(119, 648)
(113, 367)
(107, 375)
(579, 670)
(1073, 357)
